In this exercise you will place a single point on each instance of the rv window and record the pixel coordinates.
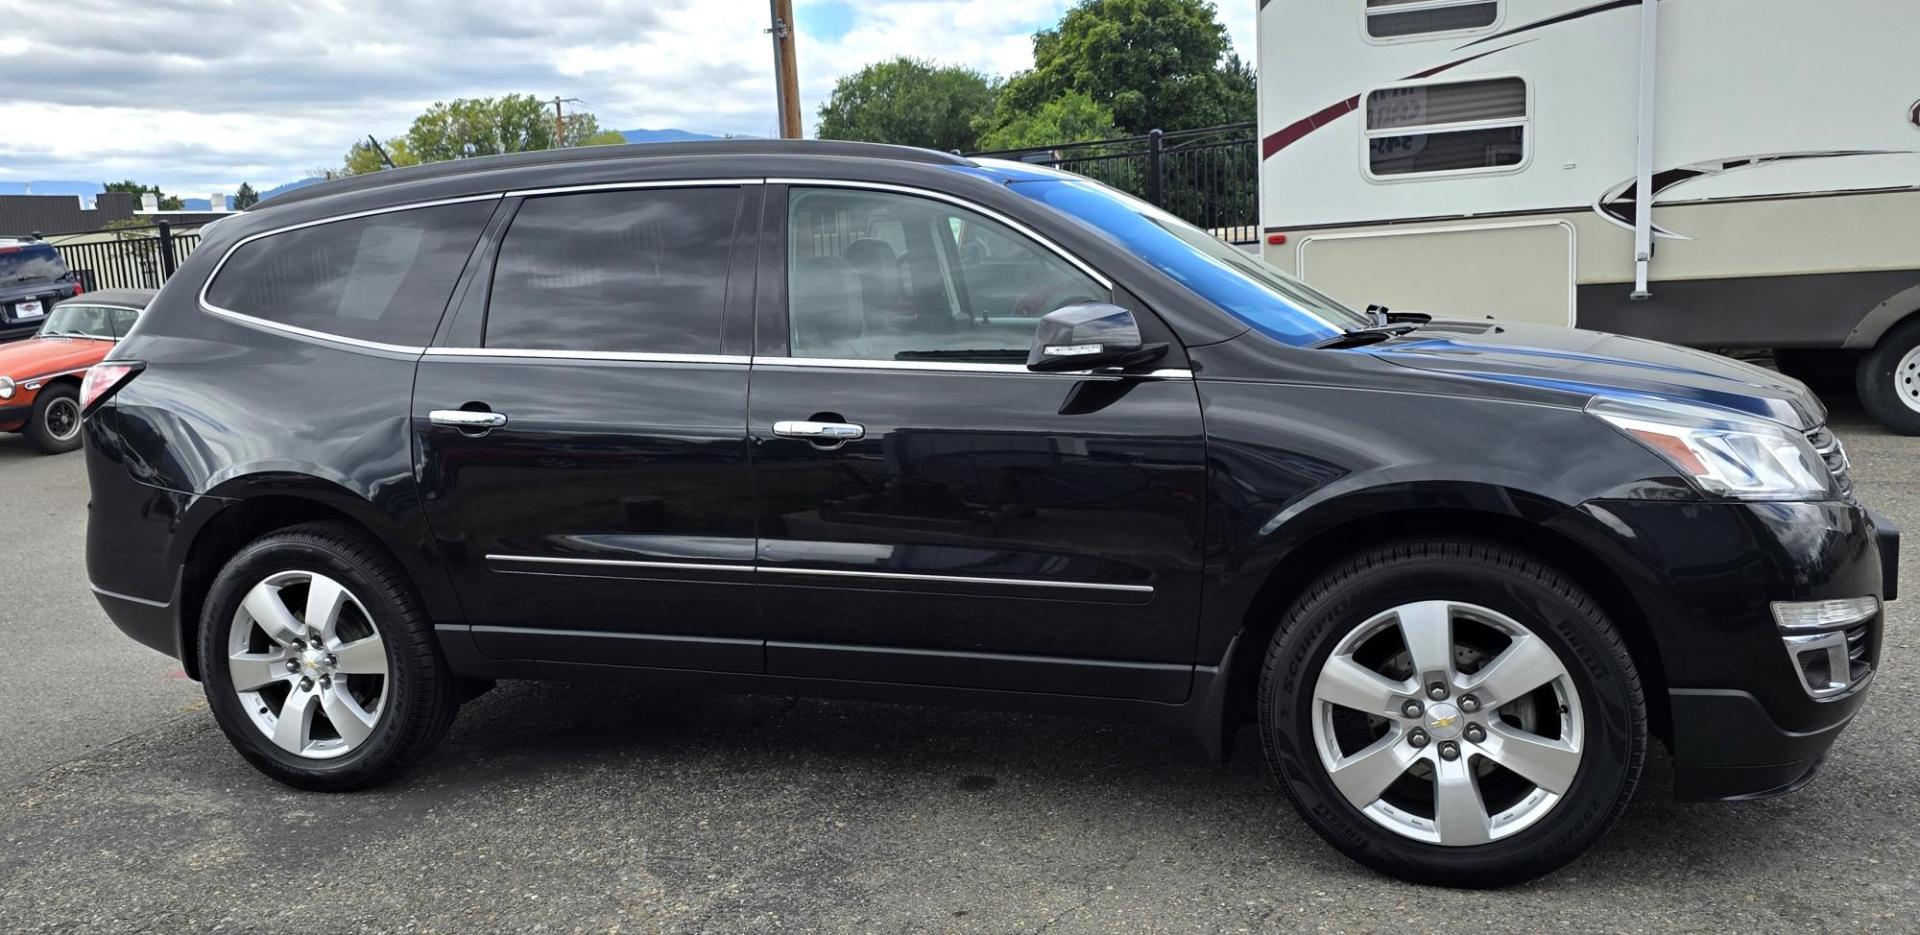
(1454, 127)
(1396, 19)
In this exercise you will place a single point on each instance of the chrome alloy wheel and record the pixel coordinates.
(1447, 723)
(1906, 379)
(313, 680)
(63, 418)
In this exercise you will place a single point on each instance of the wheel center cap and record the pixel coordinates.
(1444, 721)
(312, 662)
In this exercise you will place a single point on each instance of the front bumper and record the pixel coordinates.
(1737, 713)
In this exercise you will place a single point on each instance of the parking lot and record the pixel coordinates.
(591, 808)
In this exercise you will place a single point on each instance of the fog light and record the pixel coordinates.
(1803, 616)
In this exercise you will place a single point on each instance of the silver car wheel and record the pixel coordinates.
(313, 680)
(1448, 723)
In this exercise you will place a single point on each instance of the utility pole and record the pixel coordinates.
(560, 122)
(786, 74)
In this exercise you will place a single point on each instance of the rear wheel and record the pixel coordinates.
(319, 663)
(54, 427)
(1889, 379)
(1453, 713)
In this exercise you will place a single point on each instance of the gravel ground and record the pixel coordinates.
(605, 809)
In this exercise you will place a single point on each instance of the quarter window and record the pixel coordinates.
(1395, 19)
(883, 276)
(383, 278)
(636, 271)
(1454, 127)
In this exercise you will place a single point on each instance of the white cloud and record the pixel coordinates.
(200, 95)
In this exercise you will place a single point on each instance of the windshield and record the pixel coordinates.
(37, 261)
(88, 321)
(1241, 284)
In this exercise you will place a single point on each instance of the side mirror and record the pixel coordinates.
(1089, 337)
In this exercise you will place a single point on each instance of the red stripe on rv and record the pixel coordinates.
(1293, 132)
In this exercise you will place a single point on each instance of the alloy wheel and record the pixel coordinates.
(1448, 723)
(308, 664)
(1906, 379)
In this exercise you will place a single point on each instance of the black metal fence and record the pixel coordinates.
(1209, 176)
(133, 258)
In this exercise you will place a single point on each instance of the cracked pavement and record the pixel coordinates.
(599, 808)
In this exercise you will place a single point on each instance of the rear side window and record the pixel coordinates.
(635, 271)
(29, 262)
(383, 278)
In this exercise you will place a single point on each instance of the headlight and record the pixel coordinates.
(6, 388)
(1726, 453)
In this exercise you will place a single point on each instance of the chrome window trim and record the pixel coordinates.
(945, 366)
(624, 356)
(973, 206)
(309, 333)
(622, 186)
(830, 572)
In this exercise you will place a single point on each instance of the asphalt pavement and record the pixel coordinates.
(568, 808)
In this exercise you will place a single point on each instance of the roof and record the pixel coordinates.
(630, 152)
(131, 298)
(62, 214)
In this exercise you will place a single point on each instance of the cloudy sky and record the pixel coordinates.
(201, 95)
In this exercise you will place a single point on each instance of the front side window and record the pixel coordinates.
(1453, 127)
(86, 321)
(1396, 19)
(884, 276)
(383, 278)
(628, 271)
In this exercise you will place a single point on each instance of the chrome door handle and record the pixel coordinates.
(467, 418)
(820, 431)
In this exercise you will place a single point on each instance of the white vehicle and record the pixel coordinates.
(1716, 173)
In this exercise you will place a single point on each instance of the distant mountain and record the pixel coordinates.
(664, 136)
(290, 186)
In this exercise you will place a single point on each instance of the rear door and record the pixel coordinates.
(984, 526)
(582, 436)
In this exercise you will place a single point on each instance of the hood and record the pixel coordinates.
(1593, 363)
(42, 357)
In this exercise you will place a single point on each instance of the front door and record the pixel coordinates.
(932, 512)
(584, 464)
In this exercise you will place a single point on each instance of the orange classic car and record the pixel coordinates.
(40, 377)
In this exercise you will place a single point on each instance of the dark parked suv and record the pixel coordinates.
(32, 278)
(848, 420)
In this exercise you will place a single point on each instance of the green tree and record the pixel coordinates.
(909, 102)
(362, 158)
(1156, 64)
(245, 198)
(603, 138)
(1070, 118)
(481, 126)
(167, 202)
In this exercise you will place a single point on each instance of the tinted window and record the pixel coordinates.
(30, 261)
(1404, 135)
(383, 278)
(633, 271)
(1389, 19)
(880, 276)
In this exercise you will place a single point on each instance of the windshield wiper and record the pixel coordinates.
(1372, 335)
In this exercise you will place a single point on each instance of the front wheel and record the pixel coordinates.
(319, 663)
(54, 427)
(1889, 379)
(1453, 713)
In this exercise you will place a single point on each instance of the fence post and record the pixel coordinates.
(1156, 169)
(167, 262)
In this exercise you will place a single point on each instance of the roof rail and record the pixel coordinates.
(630, 151)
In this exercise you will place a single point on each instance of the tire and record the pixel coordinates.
(1888, 379)
(335, 684)
(1474, 586)
(54, 427)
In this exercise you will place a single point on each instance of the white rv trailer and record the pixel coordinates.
(1498, 158)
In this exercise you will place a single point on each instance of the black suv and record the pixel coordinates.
(849, 420)
(32, 278)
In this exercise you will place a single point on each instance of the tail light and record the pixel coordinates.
(104, 379)
(79, 287)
